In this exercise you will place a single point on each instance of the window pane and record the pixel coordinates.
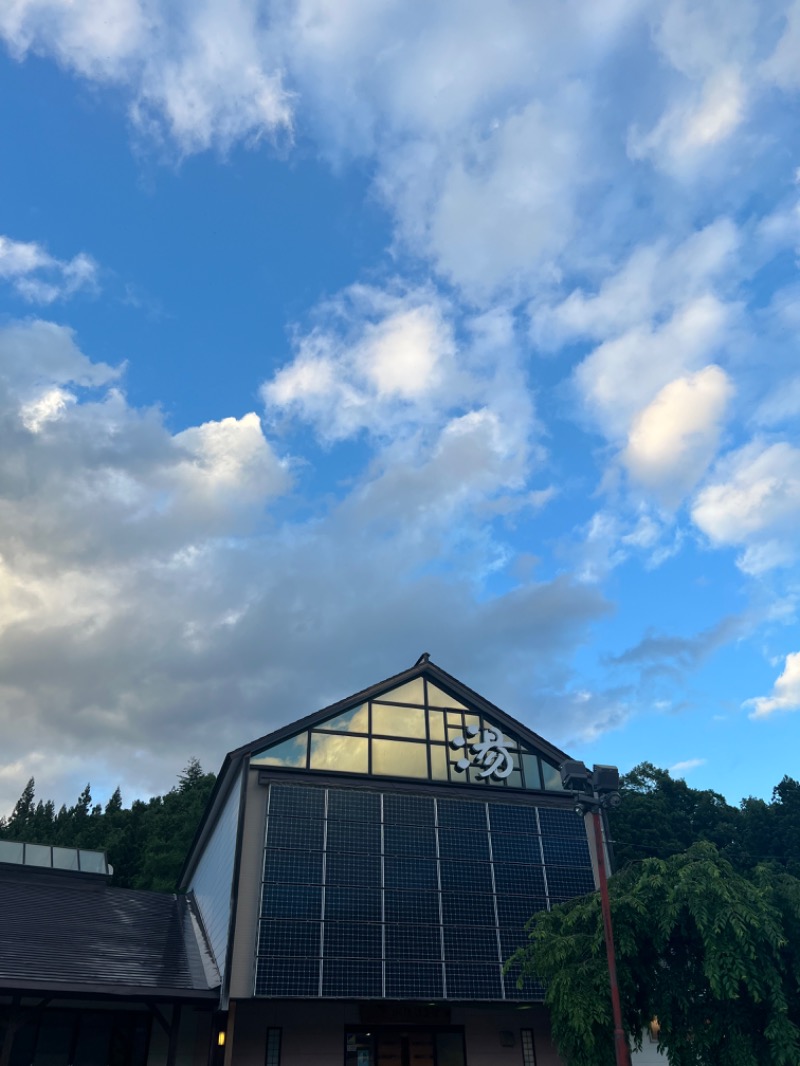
(93, 862)
(399, 759)
(355, 721)
(290, 752)
(436, 725)
(37, 855)
(10, 851)
(530, 765)
(342, 753)
(528, 1048)
(273, 1056)
(438, 698)
(398, 721)
(412, 692)
(438, 762)
(65, 858)
(552, 776)
(358, 1049)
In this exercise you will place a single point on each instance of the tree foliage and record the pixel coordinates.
(660, 816)
(146, 843)
(712, 953)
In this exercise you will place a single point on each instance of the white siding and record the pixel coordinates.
(649, 1055)
(212, 880)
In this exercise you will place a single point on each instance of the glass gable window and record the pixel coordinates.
(370, 894)
(416, 731)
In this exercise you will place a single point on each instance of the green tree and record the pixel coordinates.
(660, 815)
(18, 826)
(713, 954)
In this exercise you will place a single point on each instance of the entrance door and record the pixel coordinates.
(405, 1046)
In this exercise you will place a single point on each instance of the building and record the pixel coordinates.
(357, 882)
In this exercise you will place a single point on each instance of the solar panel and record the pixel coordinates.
(406, 897)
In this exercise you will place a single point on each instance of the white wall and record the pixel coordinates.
(649, 1055)
(212, 880)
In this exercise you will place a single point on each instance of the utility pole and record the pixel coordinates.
(593, 792)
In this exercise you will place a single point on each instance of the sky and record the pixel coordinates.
(333, 332)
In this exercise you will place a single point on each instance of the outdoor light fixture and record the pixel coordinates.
(592, 793)
(600, 788)
(221, 1038)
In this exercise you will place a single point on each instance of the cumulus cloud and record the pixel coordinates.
(147, 589)
(654, 281)
(376, 359)
(753, 501)
(785, 694)
(204, 74)
(39, 277)
(625, 374)
(494, 211)
(674, 439)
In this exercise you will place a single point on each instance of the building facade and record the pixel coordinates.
(354, 891)
(364, 874)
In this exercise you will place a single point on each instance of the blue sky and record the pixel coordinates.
(333, 332)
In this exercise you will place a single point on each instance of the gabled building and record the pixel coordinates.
(364, 873)
(357, 883)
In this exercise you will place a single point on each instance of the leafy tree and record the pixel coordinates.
(660, 815)
(18, 826)
(146, 844)
(713, 954)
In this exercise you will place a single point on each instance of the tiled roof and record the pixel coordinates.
(71, 933)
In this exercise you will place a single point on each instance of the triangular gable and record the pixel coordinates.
(422, 725)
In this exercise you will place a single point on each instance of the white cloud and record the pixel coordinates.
(706, 117)
(674, 439)
(494, 210)
(786, 692)
(39, 277)
(148, 590)
(783, 66)
(657, 279)
(205, 73)
(753, 501)
(48, 407)
(623, 375)
(685, 766)
(377, 362)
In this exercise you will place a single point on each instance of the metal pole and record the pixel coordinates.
(621, 1047)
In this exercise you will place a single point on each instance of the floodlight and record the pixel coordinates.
(605, 779)
(574, 776)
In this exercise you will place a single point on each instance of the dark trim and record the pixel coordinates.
(159, 1017)
(442, 789)
(430, 670)
(237, 862)
(62, 990)
(174, 1029)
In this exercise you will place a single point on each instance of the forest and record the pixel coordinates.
(659, 816)
(146, 843)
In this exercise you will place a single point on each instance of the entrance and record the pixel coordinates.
(404, 1046)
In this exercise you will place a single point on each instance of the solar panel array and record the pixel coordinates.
(374, 895)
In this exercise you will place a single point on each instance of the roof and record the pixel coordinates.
(72, 933)
(422, 668)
